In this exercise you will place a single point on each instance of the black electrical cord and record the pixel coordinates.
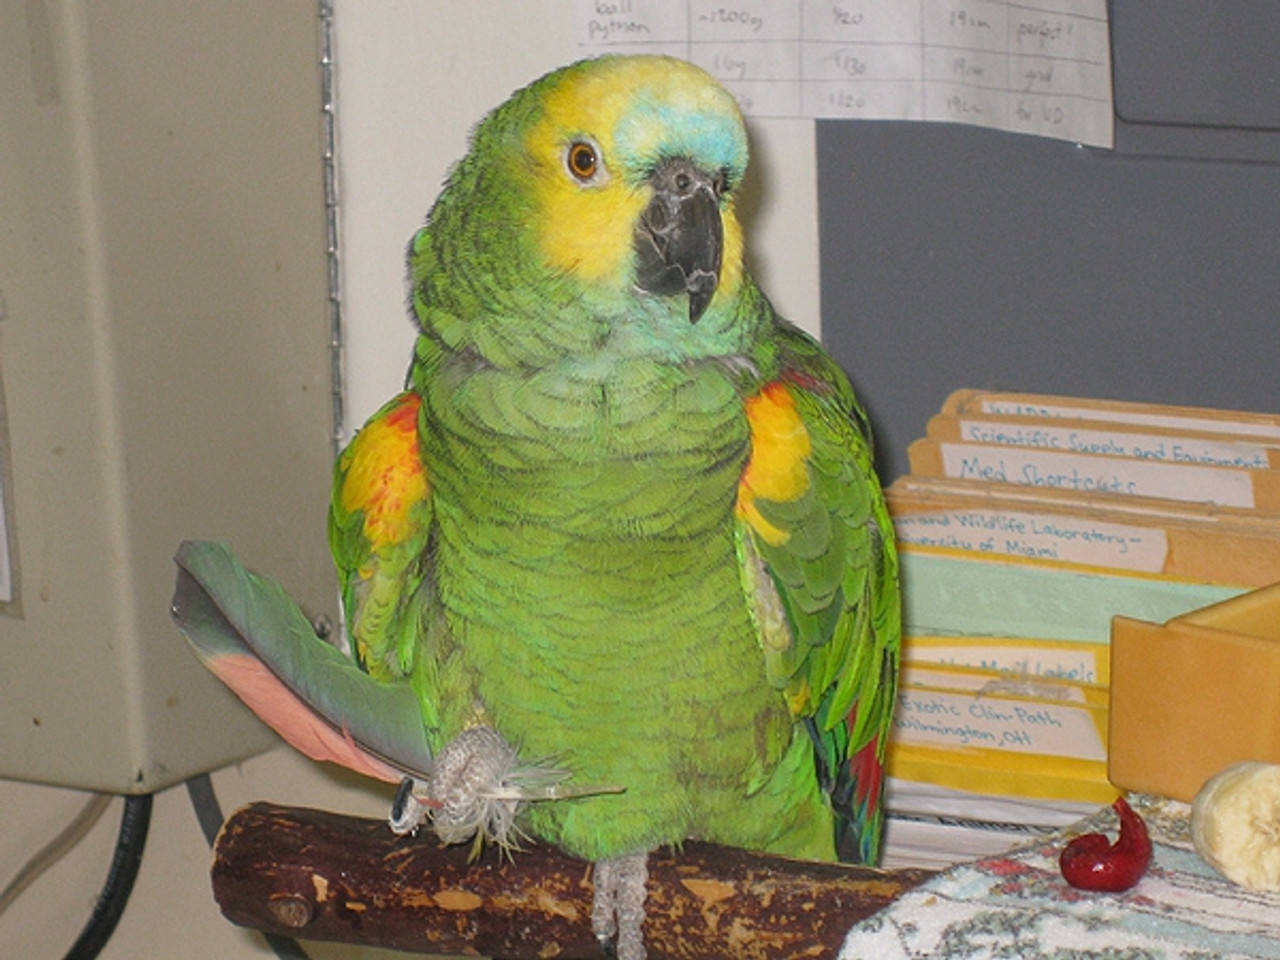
(209, 814)
(134, 825)
(205, 803)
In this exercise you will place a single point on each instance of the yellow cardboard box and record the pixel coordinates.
(1195, 694)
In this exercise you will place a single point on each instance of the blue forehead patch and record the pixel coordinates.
(654, 128)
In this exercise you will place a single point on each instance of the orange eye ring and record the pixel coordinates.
(582, 161)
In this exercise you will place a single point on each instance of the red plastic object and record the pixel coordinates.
(1092, 862)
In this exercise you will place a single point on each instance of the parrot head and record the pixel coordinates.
(649, 148)
(608, 187)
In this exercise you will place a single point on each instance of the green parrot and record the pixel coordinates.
(616, 567)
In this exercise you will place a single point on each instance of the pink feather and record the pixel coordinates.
(288, 715)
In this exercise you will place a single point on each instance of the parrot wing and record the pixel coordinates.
(380, 522)
(819, 565)
(254, 638)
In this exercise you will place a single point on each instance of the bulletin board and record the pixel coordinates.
(960, 257)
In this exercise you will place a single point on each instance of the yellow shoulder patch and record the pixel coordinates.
(383, 473)
(778, 466)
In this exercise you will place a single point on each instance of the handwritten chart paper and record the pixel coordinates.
(1041, 69)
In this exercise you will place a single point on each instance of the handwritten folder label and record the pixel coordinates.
(1019, 657)
(1090, 474)
(1165, 416)
(1038, 536)
(942, 718)
(1160, 447)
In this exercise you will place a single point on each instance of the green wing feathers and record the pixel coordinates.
(379, 526)
(819, 563)
(369, 717)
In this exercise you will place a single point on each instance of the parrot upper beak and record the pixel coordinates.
(679, 238)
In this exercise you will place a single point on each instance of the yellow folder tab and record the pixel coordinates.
(1096, 473)
(1195, 694)
(1020, 658)
(971, 730)
(1142, 535)
(1002, 774)
(1232, 422)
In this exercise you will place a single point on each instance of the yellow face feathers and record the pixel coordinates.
(602, 131)
(581, 226)
(731, 271)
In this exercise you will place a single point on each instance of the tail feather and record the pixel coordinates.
(866, 810)
(300, 726)
(854, 783)
(253, 637)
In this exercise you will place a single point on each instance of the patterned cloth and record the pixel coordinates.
(1017, 906)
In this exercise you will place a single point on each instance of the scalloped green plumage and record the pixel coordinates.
(652, 549)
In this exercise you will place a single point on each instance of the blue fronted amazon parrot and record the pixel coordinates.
(617, 554)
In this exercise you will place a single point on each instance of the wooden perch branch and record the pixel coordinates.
(324, 876)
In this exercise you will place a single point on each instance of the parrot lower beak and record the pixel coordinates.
(679, 238)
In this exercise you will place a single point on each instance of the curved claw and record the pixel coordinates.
(410, 807)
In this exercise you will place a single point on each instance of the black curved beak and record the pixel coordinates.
(679, 239)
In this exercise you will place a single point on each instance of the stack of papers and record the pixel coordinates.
(1026, 525)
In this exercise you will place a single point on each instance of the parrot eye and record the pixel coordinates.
(582, 161)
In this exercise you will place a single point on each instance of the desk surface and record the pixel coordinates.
(1017, 904)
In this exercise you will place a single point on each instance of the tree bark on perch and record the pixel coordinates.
(325, 876)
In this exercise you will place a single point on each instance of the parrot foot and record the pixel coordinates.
(617, 910)
(476, 789)
(470, 792)
(463, 796)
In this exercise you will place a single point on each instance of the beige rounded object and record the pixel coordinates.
(1235, 824)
